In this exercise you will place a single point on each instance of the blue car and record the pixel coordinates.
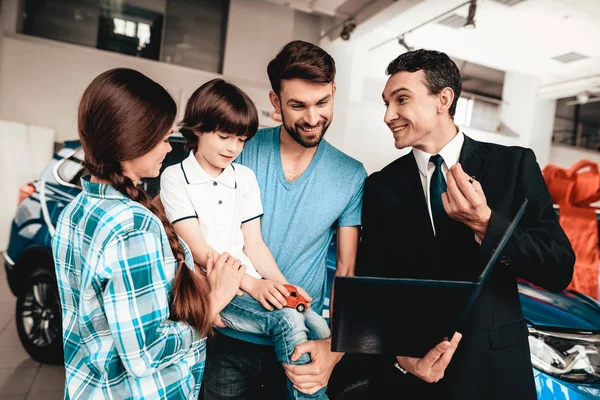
(564, 328)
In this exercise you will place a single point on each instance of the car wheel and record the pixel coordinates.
(38, 317)
(300, 307)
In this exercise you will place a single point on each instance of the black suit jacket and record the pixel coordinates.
(397, 240)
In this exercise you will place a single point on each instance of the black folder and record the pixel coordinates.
(405, 317)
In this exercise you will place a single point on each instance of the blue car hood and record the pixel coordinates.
(563, 310)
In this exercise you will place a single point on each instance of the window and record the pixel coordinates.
(130, 30)
(577, 122)
(464, 111)
(183, 32)
(478, 112)
(195, 33)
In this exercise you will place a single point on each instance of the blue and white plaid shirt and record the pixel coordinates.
(115, 271)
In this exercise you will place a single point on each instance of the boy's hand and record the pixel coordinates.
(269, 293)
(304, 294)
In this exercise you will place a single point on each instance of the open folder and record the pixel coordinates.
(405, 317)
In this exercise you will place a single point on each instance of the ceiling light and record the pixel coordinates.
(470, 24)
(349, 27)
(403, 43)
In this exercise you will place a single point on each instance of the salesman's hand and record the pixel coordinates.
(311, 377)
(431, 367)
(464, 201)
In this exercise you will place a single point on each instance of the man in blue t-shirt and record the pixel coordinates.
(309, 189)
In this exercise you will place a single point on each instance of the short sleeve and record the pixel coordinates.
(351, 216)
(251, 203)
(173, 195)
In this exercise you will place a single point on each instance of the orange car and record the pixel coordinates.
(295, 299)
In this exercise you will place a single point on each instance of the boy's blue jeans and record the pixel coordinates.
(286, 327)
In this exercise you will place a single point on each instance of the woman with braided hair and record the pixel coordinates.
(135, 311)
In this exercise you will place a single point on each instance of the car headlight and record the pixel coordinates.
(570, 356)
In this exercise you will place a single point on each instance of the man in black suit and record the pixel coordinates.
(439, 212)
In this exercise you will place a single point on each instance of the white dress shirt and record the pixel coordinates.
(450, 153)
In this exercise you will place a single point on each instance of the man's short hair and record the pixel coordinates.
(440, 71)
(301, 60)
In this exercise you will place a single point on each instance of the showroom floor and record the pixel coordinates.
(22, 378)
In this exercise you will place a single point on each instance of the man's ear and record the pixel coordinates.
(445, 99)
(333, 91)
(275, 101)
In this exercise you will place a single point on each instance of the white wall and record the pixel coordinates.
(256, 31)
(42, 80)
(525, 113)
(24, 151)
(565, 156)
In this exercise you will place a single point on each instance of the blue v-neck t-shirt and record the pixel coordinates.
(300, 217)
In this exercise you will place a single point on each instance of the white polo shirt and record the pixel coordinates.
(221, 204)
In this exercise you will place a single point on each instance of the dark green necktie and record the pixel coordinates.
(436, 188)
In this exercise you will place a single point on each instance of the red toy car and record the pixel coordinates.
(295, 299)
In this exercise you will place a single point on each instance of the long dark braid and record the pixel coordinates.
(123, 115)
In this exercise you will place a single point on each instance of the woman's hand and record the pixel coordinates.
(224, 276)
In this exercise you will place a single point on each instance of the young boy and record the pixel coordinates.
(215, 205)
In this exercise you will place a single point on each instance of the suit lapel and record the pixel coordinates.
(472, 158)
(415, 198)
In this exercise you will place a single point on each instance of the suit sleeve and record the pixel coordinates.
(539, 250)
(369, 258)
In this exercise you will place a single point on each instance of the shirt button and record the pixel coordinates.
(220, 202)
(215, 183)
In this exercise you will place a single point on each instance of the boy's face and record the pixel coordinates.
(216, 150)
(306, 109)
(411, 111)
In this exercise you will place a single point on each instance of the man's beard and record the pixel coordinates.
(293, 131)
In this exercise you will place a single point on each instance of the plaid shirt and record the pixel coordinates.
(115, 271)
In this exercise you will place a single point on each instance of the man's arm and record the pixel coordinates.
(539, 248)
(347, 247)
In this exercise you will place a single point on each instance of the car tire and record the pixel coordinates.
(300, 307)
(38, 316)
